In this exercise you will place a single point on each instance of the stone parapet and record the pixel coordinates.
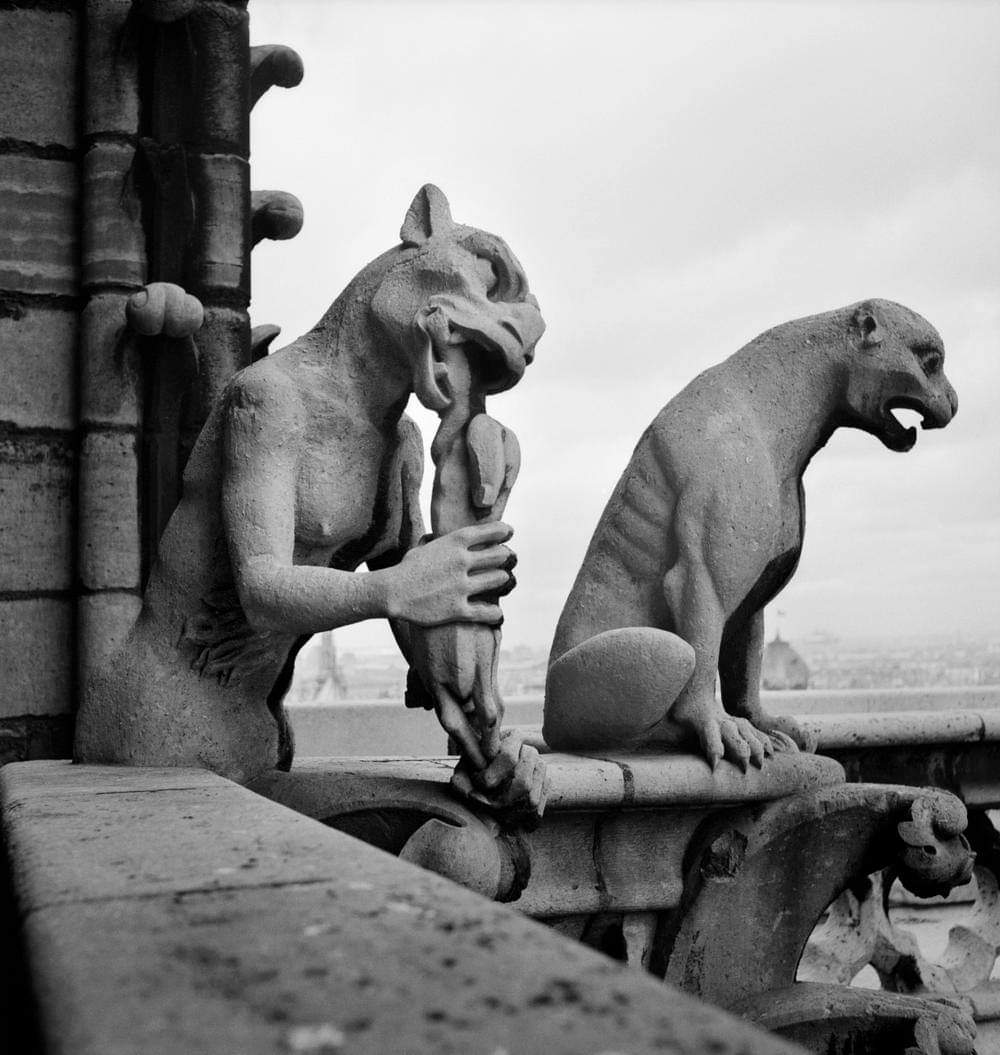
(171, 911)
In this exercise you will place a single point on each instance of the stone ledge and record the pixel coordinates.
(610, 779)
(616, 828)
(134, 945)
(904, 728)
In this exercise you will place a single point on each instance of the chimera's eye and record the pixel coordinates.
(487, 274)
(930, 360)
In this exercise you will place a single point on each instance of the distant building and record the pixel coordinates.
(783, 667)
(319, 677)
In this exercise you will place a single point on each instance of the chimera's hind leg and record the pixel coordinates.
(691, 595)
(611, 690)
(740, 658)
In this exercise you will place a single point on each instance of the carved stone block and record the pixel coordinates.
(37, 485)
(38, 215)
(38, 52)
(108, 521)
(38, 365)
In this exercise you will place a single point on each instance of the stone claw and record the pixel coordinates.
(514, 782)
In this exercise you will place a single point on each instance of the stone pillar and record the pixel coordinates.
(113, 267)
(196, 95)
(40, 300)
(124, 160)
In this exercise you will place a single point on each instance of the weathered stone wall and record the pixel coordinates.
(40, 301)
(96, 166)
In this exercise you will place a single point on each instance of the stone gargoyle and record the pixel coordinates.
(308, 468)
(705, 527)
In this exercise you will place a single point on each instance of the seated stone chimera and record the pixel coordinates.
(705, 527)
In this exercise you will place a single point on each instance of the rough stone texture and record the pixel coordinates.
(252, 849)
(713, 495)
(598, 782)
(110, 376)
(224, 923)
(110, 74)
(38, 216)
(36, 643)
(858, 930)
(275, 214)
(221, 40)
(221, 235)
(956, 750)
(114, 250)
(104, 620)
(615, 833)
(273, 65)
(108, 526)
(827, 1019)
(221, 341)
(38, 63)
(305, 469)
(898, 728)
(36, 511)
(38, 366)
(759, 879)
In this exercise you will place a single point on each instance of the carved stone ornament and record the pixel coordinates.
(308, 468)
(705, 527)
(759, 880)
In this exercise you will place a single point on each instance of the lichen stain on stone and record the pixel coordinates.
(558, 991)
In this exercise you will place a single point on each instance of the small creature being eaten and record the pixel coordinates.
(307, 469)
(705, 527)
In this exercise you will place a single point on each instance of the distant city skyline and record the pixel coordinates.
(675, 179)
(378, 672)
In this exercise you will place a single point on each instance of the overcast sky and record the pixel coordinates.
(676, 178)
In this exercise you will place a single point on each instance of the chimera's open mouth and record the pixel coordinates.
(895, 434)
(495, 367)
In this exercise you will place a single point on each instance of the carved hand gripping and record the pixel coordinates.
(476, 460)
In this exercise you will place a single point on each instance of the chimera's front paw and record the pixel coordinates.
(736, 739)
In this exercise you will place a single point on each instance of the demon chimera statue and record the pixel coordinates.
(308, 468)
(705, 528)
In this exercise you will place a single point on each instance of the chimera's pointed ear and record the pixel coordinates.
(868, 326)
(429, 214)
